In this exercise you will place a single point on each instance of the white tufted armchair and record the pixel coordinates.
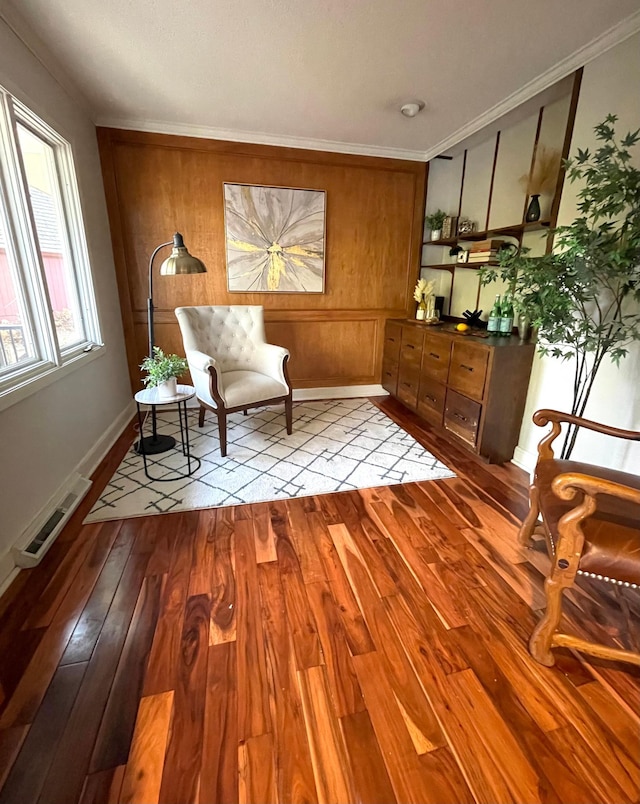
(231, 365)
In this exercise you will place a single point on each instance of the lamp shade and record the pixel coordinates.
(180, 261)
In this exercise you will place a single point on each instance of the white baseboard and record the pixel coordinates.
(90, 462)
(333, 392)
(338, 392)
(524, 460)
(8, 568)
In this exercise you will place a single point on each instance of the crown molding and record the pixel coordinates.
(17, 24)
(614, 36)
(260, 138)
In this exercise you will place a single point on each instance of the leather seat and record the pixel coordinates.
(591, 521)
(612, 553)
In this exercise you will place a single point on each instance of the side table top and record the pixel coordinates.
(150, 396)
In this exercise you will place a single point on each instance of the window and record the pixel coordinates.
(48, 315)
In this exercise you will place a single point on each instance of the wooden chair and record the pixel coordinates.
(232, 366)
(591, 521)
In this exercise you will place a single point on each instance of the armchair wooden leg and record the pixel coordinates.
(288, 412)
(203, 410)
(222, 431)
(244, 412)
(527, 528)
(561, 578)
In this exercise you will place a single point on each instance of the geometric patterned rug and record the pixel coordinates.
(336, 445)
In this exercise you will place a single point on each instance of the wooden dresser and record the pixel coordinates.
(473, 388)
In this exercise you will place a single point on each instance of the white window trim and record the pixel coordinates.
(50, 362)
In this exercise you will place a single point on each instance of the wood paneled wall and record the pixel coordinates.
(157, 184)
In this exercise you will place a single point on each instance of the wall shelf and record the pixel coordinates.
(506, 231)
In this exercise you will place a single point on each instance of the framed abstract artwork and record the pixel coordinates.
(274, 239)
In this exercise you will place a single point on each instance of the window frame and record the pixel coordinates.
(24, 253)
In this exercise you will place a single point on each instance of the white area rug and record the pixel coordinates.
(335, 446)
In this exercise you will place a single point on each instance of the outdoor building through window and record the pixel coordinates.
(47, 308)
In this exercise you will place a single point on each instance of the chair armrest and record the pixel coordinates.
(557, 418)
(568, 484)
(270, 360)
(200, 361)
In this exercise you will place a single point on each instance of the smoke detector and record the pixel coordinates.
(412, 108)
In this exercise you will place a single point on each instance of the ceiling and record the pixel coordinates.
(322, 73)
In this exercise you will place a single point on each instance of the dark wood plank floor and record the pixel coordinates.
(360, 647)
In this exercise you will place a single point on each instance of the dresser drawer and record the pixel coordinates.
(431, 399)
(436, 354)
(390, 376)
(408, 382)
(462, 416)
(468, 369)
(392, 341)
(411, 349)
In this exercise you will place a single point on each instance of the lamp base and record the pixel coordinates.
(154, 445)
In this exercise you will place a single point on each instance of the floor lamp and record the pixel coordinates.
(178, 263)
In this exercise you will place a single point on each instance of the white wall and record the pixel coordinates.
(49, 434)
(610, 84)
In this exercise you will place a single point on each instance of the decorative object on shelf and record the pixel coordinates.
(434, 221)
(178, 263)
(163, 371)
(472, 318)
(541, 180)
(524, 327)
(423, 294)
(533, 210)
(465, 226)
(274, 239)
(449, 227)
(454, 251)
(596, 259)
(463, 255)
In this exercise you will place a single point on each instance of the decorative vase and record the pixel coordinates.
(168, 388)
(430, 307)
(420, 312)
(435, 234)
(524, 327)
(533, 210)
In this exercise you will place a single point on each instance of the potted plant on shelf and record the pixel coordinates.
(585, 296)
(163, 371)
(434, 221)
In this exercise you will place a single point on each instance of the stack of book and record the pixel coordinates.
(485, 252)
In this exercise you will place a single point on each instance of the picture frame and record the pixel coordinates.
(463, 256)
(274, 239)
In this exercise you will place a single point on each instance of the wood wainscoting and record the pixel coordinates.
(156, 184)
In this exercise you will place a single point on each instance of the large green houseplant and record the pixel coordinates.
(584, 298)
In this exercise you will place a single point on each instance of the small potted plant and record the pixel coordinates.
(434, 222)
(163, 371)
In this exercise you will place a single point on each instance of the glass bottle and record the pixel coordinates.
(493, 324)
(506, 318)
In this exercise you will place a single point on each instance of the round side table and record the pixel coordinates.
(150, 396)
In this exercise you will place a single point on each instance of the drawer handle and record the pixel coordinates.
(430, 398)
(466, 368)
(410, 346)
(460, 416)
(433, 354)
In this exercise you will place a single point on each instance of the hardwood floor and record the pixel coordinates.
(366, 646)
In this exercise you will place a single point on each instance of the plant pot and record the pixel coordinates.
(168, 388)
(435, 234)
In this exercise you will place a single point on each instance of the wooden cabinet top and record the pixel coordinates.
(449, 330)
